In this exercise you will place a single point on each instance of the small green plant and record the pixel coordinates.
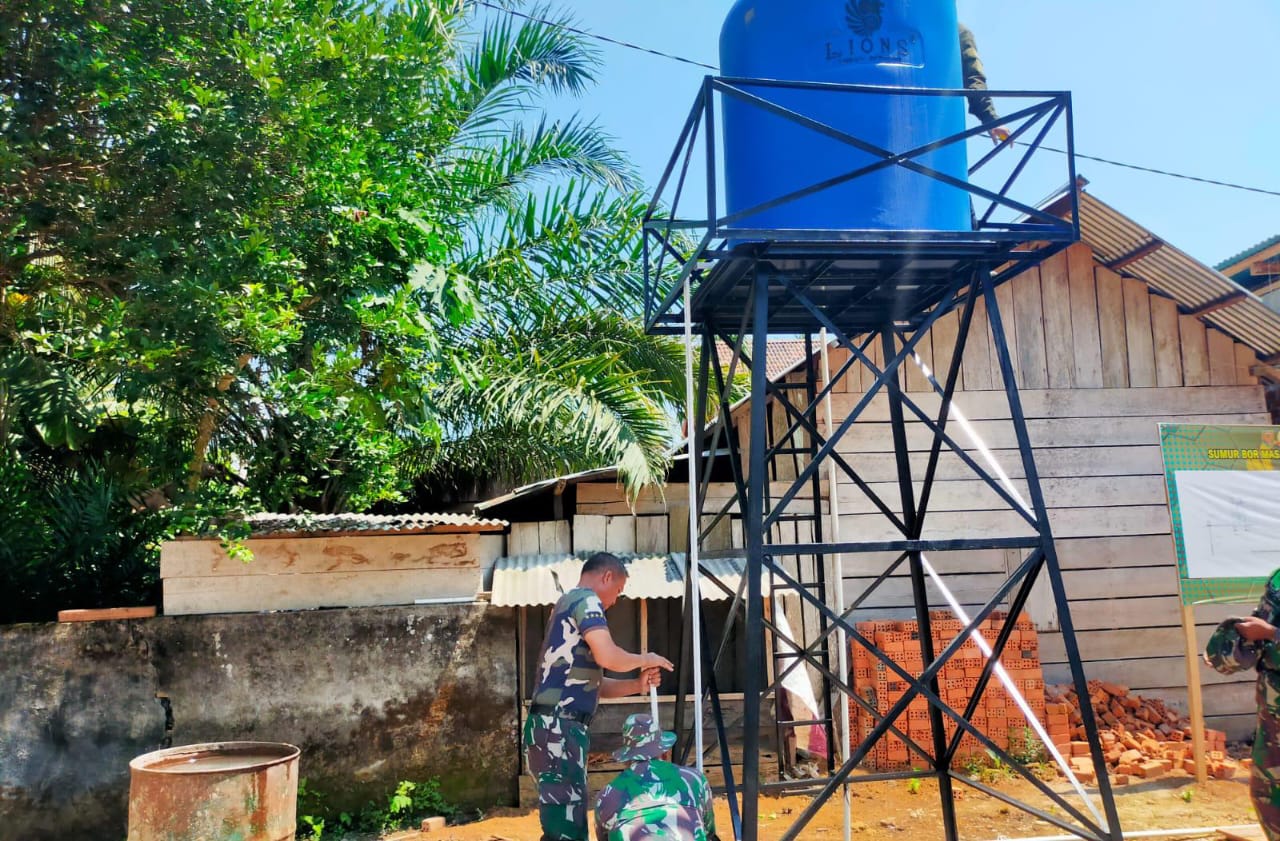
(1025, 747)
(913, 785)
(314, 827)
(408, 803)
(1186, 795)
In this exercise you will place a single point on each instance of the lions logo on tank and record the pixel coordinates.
(864, 16)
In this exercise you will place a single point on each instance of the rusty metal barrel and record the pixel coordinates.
(220, 790)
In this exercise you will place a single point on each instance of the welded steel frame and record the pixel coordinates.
(787, 272)
(763, 558)
(676, 247)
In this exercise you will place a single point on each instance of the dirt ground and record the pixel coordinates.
(892, 811)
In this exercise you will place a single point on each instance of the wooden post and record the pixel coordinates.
(644, 626)
(1195, 703)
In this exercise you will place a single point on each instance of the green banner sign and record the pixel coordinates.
(1224, 499)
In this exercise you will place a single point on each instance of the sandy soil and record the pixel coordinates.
(891, 811)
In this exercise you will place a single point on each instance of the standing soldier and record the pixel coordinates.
(653, 799)
(577, 648)
(1254, 643)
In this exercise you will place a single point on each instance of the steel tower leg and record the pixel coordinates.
(753, 528)
(1052, 568)
(920, 597)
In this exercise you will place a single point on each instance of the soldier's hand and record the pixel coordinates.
(650, 660)
(999, 134)
(1254, 629)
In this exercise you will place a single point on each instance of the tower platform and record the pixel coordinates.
(857, 285)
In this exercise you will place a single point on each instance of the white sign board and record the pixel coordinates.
(1230, 522)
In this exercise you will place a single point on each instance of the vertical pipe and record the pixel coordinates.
(644, 649)
(842, 640)
(694, 444)
(755, 562)
(521, 653)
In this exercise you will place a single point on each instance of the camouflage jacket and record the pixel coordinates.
(568, 675)
(974, 78)
(1230, 653)
(656, 799)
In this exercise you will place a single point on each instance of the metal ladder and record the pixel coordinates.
(792, 442)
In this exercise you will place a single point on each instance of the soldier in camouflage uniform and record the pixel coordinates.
(653, 799)
(576, 650)
(1254, 643)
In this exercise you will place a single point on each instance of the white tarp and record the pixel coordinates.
(1230, 522)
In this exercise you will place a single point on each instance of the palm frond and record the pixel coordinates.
(590, 390)
(501, 172)
(567, 249)
(511, 50)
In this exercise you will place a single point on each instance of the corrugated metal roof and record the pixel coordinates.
(1112, 235)
(529, 580)
(278, 524)
(1248, 252)
(546, 484)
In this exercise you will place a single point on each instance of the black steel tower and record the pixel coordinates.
(875, 293)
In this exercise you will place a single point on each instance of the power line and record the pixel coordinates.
(605, 39)
(1162, 172)
(597, 37)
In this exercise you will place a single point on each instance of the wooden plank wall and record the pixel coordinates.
(300, 573)
(1100, 360)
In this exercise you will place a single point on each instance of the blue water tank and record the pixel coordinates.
(903, 43)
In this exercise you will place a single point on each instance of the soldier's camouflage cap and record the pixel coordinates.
(1228, 652)
(641, 739)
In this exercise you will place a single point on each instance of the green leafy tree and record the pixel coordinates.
(305, 255)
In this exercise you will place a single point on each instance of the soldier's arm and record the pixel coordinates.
(614, 688)
(975, 79)
(709, 811)
(609, 655)
(606, 808)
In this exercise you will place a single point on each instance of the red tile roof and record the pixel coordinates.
(785, 355)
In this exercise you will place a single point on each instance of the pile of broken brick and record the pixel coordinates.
(1141, 737)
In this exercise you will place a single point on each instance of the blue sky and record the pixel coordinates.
(1175, 85)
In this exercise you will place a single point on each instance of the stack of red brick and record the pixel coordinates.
(997, 716)
(1141, 737)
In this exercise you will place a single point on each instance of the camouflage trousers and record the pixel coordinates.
(1264, 783)
(555, 751)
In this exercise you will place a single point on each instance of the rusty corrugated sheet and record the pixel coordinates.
(1192, 284)
(279, 524)
(529, 580)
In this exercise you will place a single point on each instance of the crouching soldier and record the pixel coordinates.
(653, 798)
(1254, 643)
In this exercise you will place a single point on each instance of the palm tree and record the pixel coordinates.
(554, 374)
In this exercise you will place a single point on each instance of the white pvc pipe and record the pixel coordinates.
(1191, 832)
(694, 425)
(838, 562)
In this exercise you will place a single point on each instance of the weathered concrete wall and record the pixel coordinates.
(372, 696)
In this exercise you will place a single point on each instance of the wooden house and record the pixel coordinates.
(1110, 338)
